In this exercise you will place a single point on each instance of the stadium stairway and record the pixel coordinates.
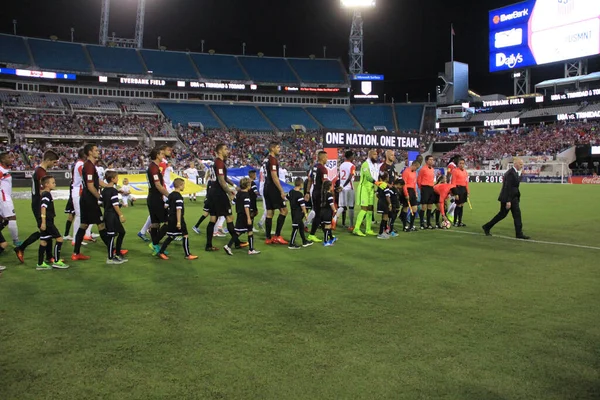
(353, 118)
(243, 69)
(319, 124)
(266, 118)
(89, 58)
(214, 114)
(293, 70)
(395, 118)
(29, 52)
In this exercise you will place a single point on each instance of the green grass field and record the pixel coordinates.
(429, 315)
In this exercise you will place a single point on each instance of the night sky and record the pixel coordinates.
(407, 40)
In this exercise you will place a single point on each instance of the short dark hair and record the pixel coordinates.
(81, 153)
(87, 148)
(439, 179)
(298, 181)
(348, 154)
(50, 155)
(321, 153)
(419, 157)
(163, 147)
(461, 159)
(45, 180)
(252, 171)
(4, 155)
(110, 175)
(153, 154)
(272, 145)
(219, 147)
(399, 181)
(428, 158)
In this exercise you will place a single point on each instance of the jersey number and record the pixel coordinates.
(344, 176)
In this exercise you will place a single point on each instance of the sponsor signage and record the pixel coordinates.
(575, 95)
(27, 73)
(585, 180)
(379, 140)
(578, 116)
(142, 82)
(537, 32)
(501, 122)
(504, 102)
(367, 77)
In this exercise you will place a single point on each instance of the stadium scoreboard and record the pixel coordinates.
(367, 88)
(537, 32)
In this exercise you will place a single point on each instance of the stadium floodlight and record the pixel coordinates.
(356, 39)
(357, 3)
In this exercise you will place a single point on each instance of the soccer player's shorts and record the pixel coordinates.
(462, 194)
(2, 239)
(382, 206)
(70, 208)
(241, 224)
(113, 224)
(220, 205)
(207, 203)
(436, 198)
(273, 199)
(51, 231)
(347, 198)
(412, 197)
(172, 228)
(7, 208)
(297, 217)
(156, 209)
(427, 195)
(367, 196)
(76, 197)
(326, 216)
(91, 215)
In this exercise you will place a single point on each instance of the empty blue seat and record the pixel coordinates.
(318, 71)
(242, 117)
(219, 67)
(265, 69)
(169, 64)
(59, 55)
(334, 118)
(185, 113)
(284, 117)
(13, 50)
(370, 116)
(409, 117)
(116, 60)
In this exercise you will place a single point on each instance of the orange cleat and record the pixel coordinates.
(191, 257)
(269, 241)
(351, 229)
(280, 240)
(124, 252)
(163, 256)
(79, 257)
(20, 255)
(89, 239)
(244, 244)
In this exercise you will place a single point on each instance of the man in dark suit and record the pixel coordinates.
(509, 199)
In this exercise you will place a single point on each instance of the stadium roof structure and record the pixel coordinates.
(574, 80)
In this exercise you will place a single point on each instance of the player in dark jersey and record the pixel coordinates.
(274, 196)
(49, 160)
(318, 176)
(384, 203)
(90, 210)
(176, 221)
(328, 210)
(220, 198)
(298, 208)
(48, 230)
(253, 193)
(243, 223)
(113, 219)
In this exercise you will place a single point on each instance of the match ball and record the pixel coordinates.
(446, 224)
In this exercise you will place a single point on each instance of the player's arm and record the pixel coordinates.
(405, 187)
(275, 178)
(91, 188)
(365, 172)
(467, 183)
(163, 190)
(308, 187)
(43, 213)
(247, 210)
(115, 203)
(388, 198)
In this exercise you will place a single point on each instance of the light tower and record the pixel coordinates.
(355, 50)
(138, 41)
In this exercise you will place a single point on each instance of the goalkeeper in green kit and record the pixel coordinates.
(365, 194)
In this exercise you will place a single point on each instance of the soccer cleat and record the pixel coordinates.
(243, 244)
(351, 229)
(114, 261)
(314, 239)
(59, 265)
(393, 234)
(225, 231)
(437, 226)
(383, 236)
(191, 257)
(79, 257)
(153, 248)
(50, 260)
(358, 232)
(486, 231)
(143, 237)
(219, 234)
(121, 258)
(253, 252)
(306, 229)
(68, 237)
(17, 243)
(20, 255)
(228, 250)
(461, 225)
(82, 243)
(430, 227)
(2, 267)
(280, 240)
(89, 239)
(162, 256)
(124, 252)
(523, 237)
(370, 233)
(327, 244)
(268, 241)
(211, 249)
(255, 230)
(423, 227)
(95, 235)
(333, 240)
(43, 267)
(196, 229)
(308, 243)
(293, 246)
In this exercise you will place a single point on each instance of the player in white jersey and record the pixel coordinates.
(7, 208)
(283, 174)
(192, 175)
(76, 190)
(347, 173)
(261, 190)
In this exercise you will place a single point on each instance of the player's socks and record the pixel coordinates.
(315, 225)
(359, 219)
(41, 254)
(14, 230)
(382, 226)
(344, 217)
(268, 227)
(200, 221)
(369, 221)
(166, 244)
(422, 217)
(428, 217)
(78, 240)
(154, 235)
(412, 221)
(351, 216)
(210, 231)
(437, 217)
(76, 224)
(162, 232)
(234, 235)
(49, 249)
(250, 242)
(186, 246)
(88, 231)
(146, 226)
(34, 237)
(57, 249)
(68, 227)
(280, 222)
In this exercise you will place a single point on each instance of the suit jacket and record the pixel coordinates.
(510, 187)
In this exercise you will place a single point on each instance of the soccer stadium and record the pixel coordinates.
(277, 226)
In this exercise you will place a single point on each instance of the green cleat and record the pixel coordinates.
(357, 232)
(371, 233)
(43, 267)
(59, 265)
(313, 238)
